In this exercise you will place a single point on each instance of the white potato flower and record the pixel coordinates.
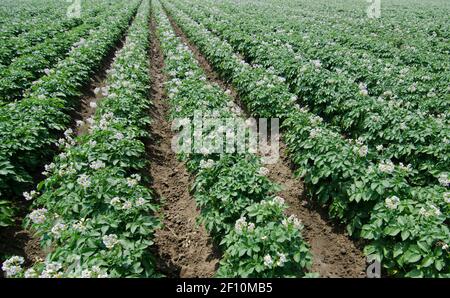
(140, 202)
(38, 216)
(386, 167)
(281, 259)
(268, 262)
(84, 180)
(110, 240)
(13, 266)
(57, 229)
(392, 202)
(97, 165)
(240, 224)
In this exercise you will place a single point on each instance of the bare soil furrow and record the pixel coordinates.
(184, 249)
(95, 91)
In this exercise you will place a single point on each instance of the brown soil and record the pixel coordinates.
(334, 253)
(184, 249)
(16, 241)
(84, 110)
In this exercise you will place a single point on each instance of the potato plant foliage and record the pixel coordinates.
(363, 102)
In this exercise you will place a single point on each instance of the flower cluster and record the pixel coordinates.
(314, 132)
(38, 216)
(432, 210)
(280, 260)
(96, 165)
(80, 226)
(242, 225)
(447, 197)
(110, 240)
(392, 202)
(386, 167)
(30, 195)
(57, 229)
(134, 180)
(363, 150)
(206, 164)
(94, 272)
(277, 200)
(292, 220)
(13, 266)
(52, 270)
(84, 180)
(444, 179)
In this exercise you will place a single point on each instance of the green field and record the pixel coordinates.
(89, 100)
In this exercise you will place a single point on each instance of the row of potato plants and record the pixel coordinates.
(18, 45)
(419, 39)
(372, 36)
(238, 203)
(17, 18)
(390, 131)
(283, 38)
(22, 73)
(410, 85)
(93, 211)
(30, 128)
(405, 226)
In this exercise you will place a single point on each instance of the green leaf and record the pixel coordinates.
(405, 235)
(412, 257)
(392, 231)
(426, 262)
(414, 274)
